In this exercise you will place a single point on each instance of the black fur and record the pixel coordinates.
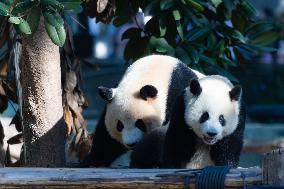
(181, 77)
(178, 147)
(105, 93)
(195, 87)
(147, 153)
(104, 148)
(228, 150)
(148, 91)
(235, 93)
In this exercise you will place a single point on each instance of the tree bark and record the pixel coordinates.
(43, 124)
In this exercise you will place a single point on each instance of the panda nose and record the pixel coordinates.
(211, 134)
(131, 145)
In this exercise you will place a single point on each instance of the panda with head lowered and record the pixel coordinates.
(206, 128)
(141, 102)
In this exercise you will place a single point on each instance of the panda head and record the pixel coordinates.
(130, 115)
(212, 107)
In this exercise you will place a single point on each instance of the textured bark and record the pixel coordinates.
(43, 124)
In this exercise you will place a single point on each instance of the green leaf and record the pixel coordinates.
(120, 20)
(23, 6)
(265, 38)
(136, 48)
(53, 3)
(194, 5)
(176, 14)
(33, 18)
(14, 20)
(207, 60)
(23, 27)
(7, 2)
(238, 21)
(197, 33)
(4, 9)
(235, 34)
(216, 2)
(131, 33)
(229, 4)
(71, 4)
(163, 28)
(182, 55)
(152, 8)
(194, 55)
(180, 29)
(166, 4)
(56, 34)
(53, 18)
(259, 27)
(160, 45)
(249, 9)
(228, 61)
(263, 48)
(225, 73)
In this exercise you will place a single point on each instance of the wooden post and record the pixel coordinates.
(43, 125)
(273, 167)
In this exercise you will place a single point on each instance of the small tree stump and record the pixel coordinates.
(273, 167)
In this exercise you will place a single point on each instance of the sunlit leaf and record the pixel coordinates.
(56, 34)
(4, 9)
(23, 27)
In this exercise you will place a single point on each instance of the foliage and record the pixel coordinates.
(26, 22)
(25, 16)
(205, 34)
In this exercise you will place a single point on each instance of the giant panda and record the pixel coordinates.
(206, 128)
(141, 102)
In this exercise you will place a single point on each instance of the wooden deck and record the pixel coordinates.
(114, 178)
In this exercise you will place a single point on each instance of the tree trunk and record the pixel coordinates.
(43, 124)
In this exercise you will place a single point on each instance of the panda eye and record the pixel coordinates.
(204, 117)
(119, 126)
(222, 120)
(140, 125)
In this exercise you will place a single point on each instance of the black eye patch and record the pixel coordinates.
(119, 126)
(204, 117)
(222, 120)
(140, 125)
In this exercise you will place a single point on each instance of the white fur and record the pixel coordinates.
(131, 135)
(201, 157)
(127, 106)
(215, 100)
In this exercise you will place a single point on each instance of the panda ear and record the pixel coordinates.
(195, 87)
(235, 93)
(106, 93)
(148, 91)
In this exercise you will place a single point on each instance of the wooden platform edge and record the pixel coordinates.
(114, 178)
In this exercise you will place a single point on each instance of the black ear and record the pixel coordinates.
(236, 93)
(148, 91)
(195, 87)
(106, 93)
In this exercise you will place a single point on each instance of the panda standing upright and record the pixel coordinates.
(141, 103)
(206, 128)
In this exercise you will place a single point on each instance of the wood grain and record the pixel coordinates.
(273, 167)
(113, 178)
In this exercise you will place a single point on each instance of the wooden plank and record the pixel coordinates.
(273, 167)
(112, 178)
